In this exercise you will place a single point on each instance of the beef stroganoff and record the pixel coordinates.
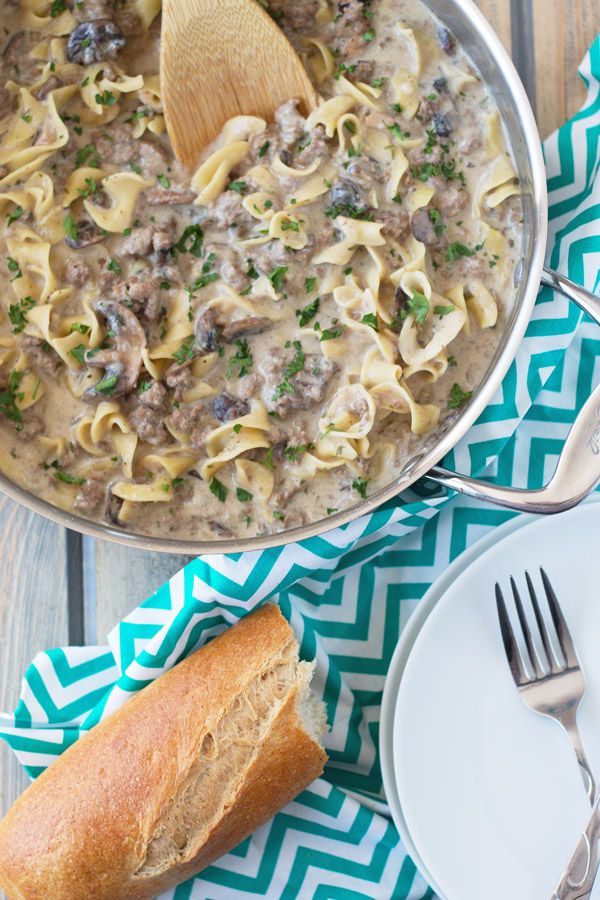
(270, 339)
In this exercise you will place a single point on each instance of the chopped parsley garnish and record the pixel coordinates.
(113, 266)
(279, 515)
(239, 186)
(350, 126)
(371, 320)
(163, 181)
(263, 150)
(277, 277)
(360, 486)
(70, 226)
(218, 489)
(349, 210)
(139, 114)
(17, 313)
(15, 214)
(203, 281)
(251, 271)
(343, 69)
(90, 188)
(9, 397)
(135, 168)
(294, 453)
(329, 334)
(310, 284)
(144, 386)
(458, 397)
(369, 35)
(60, 474)
(106, 98)
(78, 353)
(79, 327)
(242, 359)
(191, 240)
(237, 427)
(207, 277)
(57, 7)
(292, 368)
(397, 132)
(107, 385)
(457, 250)
(377, 82)
(26, 117)
(87, 155)
(242, 495)
(443, 310)
(13, 266)
(268, 460)
(436, 218)
(418, 305)
(308, 313)
(186, 350)
(290, 225)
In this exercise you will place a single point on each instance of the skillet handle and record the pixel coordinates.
(578, 469)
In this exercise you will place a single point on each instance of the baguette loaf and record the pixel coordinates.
(175, 778)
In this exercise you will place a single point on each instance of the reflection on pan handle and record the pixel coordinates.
(578, 469)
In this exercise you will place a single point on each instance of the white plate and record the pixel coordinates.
(489, 800)
(396, 671)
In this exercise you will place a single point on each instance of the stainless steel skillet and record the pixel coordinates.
(578, 470)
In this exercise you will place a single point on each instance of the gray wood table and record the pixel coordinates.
(59, 588)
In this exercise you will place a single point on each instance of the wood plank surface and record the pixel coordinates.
(33, 612)
(563, 31)
(56, 586)
(498, 13)
(117, 579)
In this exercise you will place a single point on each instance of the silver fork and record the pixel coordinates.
(548, 684)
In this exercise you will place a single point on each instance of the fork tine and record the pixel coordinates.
(564, 635)
(533, 656)
(511, 647)
(553, 662)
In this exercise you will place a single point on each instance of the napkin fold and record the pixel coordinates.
(349, 593)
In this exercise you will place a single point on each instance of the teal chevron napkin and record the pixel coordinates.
(349, 593)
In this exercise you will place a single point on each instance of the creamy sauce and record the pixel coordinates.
(217, 356)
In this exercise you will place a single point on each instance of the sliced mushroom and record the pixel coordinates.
(423, 228)
(446, 39)
(123, 361)
(441, 125)
(244, 327)
(86, 233)
(51, 85)
(225, 407)
(169, 196)
(94, 42)
(178, 378)
(113, 508)
(346, 193)
(207, 331)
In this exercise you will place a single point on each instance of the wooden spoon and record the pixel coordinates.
(223, 58)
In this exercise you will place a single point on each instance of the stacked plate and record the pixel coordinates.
(486, 794)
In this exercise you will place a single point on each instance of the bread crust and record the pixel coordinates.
(82, 828)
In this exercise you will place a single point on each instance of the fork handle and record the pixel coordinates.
(577, 880)
(584, 766)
